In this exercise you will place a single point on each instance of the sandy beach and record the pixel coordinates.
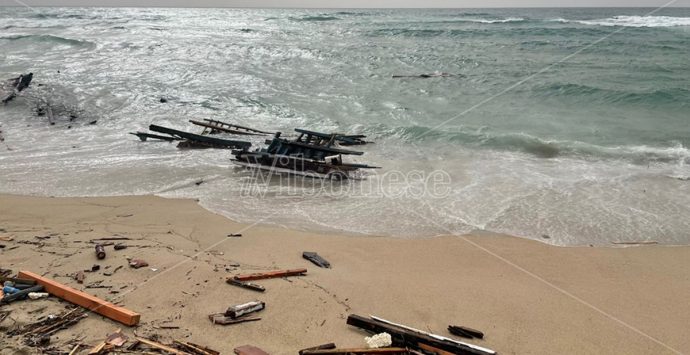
(527, 297)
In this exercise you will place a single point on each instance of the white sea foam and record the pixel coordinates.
(639, 21)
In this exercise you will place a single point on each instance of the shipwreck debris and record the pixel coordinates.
(100, 251)
(249, 350)
(465, 332)
(138, 263)
(244, 309)
(85, 300)
(318, 347)
(316, 259)
(270, 274)
(247, 285)
(405, 336)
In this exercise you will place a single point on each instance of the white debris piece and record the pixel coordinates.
(379, 340)
(37, 295)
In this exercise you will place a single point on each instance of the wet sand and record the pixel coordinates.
(527, 297)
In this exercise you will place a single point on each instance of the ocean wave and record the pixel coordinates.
(542, 148)
(639, 21)
(47, 38)
(474, 32)
(314, 18)
(667, 96)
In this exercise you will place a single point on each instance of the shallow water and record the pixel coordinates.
(586, 150)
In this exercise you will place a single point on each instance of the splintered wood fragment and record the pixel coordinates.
(357, 351)
(196, 348)
(249, 350)
(316, 259)
(85, 300)
(159, 346)
(247, 285)
(79, 276)
(6, 239)
(318, 347)
(222, 319)
(98, 348)
(270, 274)
(117, 339)
(465, 332)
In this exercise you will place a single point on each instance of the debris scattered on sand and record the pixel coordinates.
(316, 259)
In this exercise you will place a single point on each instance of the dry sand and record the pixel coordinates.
(528, 297)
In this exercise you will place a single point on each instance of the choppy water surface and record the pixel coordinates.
(587, 150)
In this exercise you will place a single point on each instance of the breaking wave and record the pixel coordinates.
(47, 38)
(668, 96)
(315, 18)
(525, 143)
(639, 21)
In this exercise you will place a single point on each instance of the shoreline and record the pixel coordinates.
(527, 296)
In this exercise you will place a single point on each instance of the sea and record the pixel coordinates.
(566, 126)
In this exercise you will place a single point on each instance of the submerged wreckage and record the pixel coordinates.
(312, 154)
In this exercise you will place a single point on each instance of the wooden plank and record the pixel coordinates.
(153, 344)
(92, 303)
(270, 274)
(357, 351)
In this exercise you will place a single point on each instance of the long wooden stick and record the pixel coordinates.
(85, 300)
(161, 346)
(270, 274)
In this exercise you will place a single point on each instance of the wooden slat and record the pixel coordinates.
(92, 303)
(270, 274)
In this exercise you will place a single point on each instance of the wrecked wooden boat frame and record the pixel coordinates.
(312, 154)
(215, 126)
(191, 140)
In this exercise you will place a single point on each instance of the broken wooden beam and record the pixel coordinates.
(92, 303)
(270, 274)
(409, 337)
(244, 309)
(358, 351)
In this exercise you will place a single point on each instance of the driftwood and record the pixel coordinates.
(316, 259)
(247, 285)
(240, 310)
(270, 274)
